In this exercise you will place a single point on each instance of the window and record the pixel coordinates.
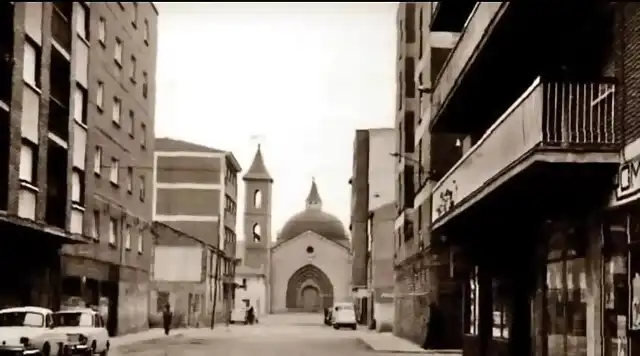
(409, 131)
(117, 56)
(257, 199)
(129, 180)
(28, 162)
(113, 231)
(142, 189)
(420, 30)
(117, 110)
(500, 313)
(472, 305)
(145, 84)
(566, 293)
(77, 187)
(96, 225)
(32, 62)
(133, 70)
(80, 104)
(140, 242)
(134, 14)
(143, 133)
(127, 237)
(132, 121)
(146, 32)
(100, 95)
(410, 22)
(83, 23)
(102, 31)
(257, 233)
(97, 160)
(409, 73)
(114, 169)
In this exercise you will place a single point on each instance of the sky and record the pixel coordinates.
(298, 78)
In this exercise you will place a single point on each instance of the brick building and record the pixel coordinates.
(538, 231)
(196, 192)
(372, 187)
(106, 61)
(183, 288)
(37, 148)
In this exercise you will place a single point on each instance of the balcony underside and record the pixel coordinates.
(543, 185)
(450, 16)
(24, 232)
(568, 40)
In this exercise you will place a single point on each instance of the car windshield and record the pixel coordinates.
(72, 319)
(21, 318)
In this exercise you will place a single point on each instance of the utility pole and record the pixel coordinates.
(215, 290)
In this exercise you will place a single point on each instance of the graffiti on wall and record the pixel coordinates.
(446, 200)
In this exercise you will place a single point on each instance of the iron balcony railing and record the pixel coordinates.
(550, 114)
(473, 34)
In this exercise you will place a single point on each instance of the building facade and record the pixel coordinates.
(372, 186)
(184, 288)
(195, 192)
(110, 52)
(539, 213)
(38, 148)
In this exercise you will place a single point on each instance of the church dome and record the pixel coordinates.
(314, 219)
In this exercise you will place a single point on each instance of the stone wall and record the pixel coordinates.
(133, 301)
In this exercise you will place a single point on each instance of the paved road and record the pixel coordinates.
(291, 335)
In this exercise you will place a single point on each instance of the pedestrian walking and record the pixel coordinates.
(167, 315)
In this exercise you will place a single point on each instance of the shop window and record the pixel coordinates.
(615, 291)
(472, 304)
(566, 285)
(500, 313)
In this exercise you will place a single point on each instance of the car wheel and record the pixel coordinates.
(336, 326)
(232, 322)
(46, 349)
(354, 327)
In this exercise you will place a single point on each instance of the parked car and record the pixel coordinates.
(343, 315)
(238, 315)
(85, 332)
(29, 331)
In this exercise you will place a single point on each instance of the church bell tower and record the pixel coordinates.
(257, 213)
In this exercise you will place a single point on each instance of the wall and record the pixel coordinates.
(256, 292)
(189, 258)
(330, 257)
(381, 167)
(382, 260)
(133, 301)
(179, 300)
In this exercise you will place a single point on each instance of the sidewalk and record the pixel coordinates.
(387, 342)
(147, 335)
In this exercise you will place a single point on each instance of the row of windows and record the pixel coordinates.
(115, 175)
(116, 116)
(230, 176)
(229, 205)
(119, 230)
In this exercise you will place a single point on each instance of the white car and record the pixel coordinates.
(343, 315)
(84, 330)
(238, 315)
(29, 330)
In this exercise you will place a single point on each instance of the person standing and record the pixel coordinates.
(167, 315)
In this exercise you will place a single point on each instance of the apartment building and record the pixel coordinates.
(373, 215)
(195, 192)
(540, 211)
(103, 63)
(39, 147)
(422, 271)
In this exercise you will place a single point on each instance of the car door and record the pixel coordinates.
(102, 335)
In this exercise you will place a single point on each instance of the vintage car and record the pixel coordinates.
(84, 330)
(29, 331)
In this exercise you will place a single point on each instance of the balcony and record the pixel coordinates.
(476, 31)
(558, 141)
(449, 16)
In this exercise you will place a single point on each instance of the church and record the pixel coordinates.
(308, 266)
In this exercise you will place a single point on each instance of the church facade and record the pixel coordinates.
(307, 268)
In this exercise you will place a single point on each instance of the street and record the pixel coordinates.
(291, 334)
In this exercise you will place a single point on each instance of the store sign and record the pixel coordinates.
(627, 183)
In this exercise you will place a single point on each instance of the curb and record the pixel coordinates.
(417, 352)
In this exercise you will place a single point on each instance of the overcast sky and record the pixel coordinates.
(297, 77)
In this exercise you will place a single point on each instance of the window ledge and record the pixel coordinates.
(128, 248)
(139, 252)
(28, 186)
(77, 206)
(100, 109)
(102, 43)
(84, 40)
(114, 184)
(115, 123)
(82, 124)
(112, 245)
(118, 63)
(33, 87)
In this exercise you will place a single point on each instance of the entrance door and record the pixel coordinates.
(310, 299)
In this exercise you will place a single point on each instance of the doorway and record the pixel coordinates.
(310, 299)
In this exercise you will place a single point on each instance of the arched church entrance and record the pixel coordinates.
(309, 290)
